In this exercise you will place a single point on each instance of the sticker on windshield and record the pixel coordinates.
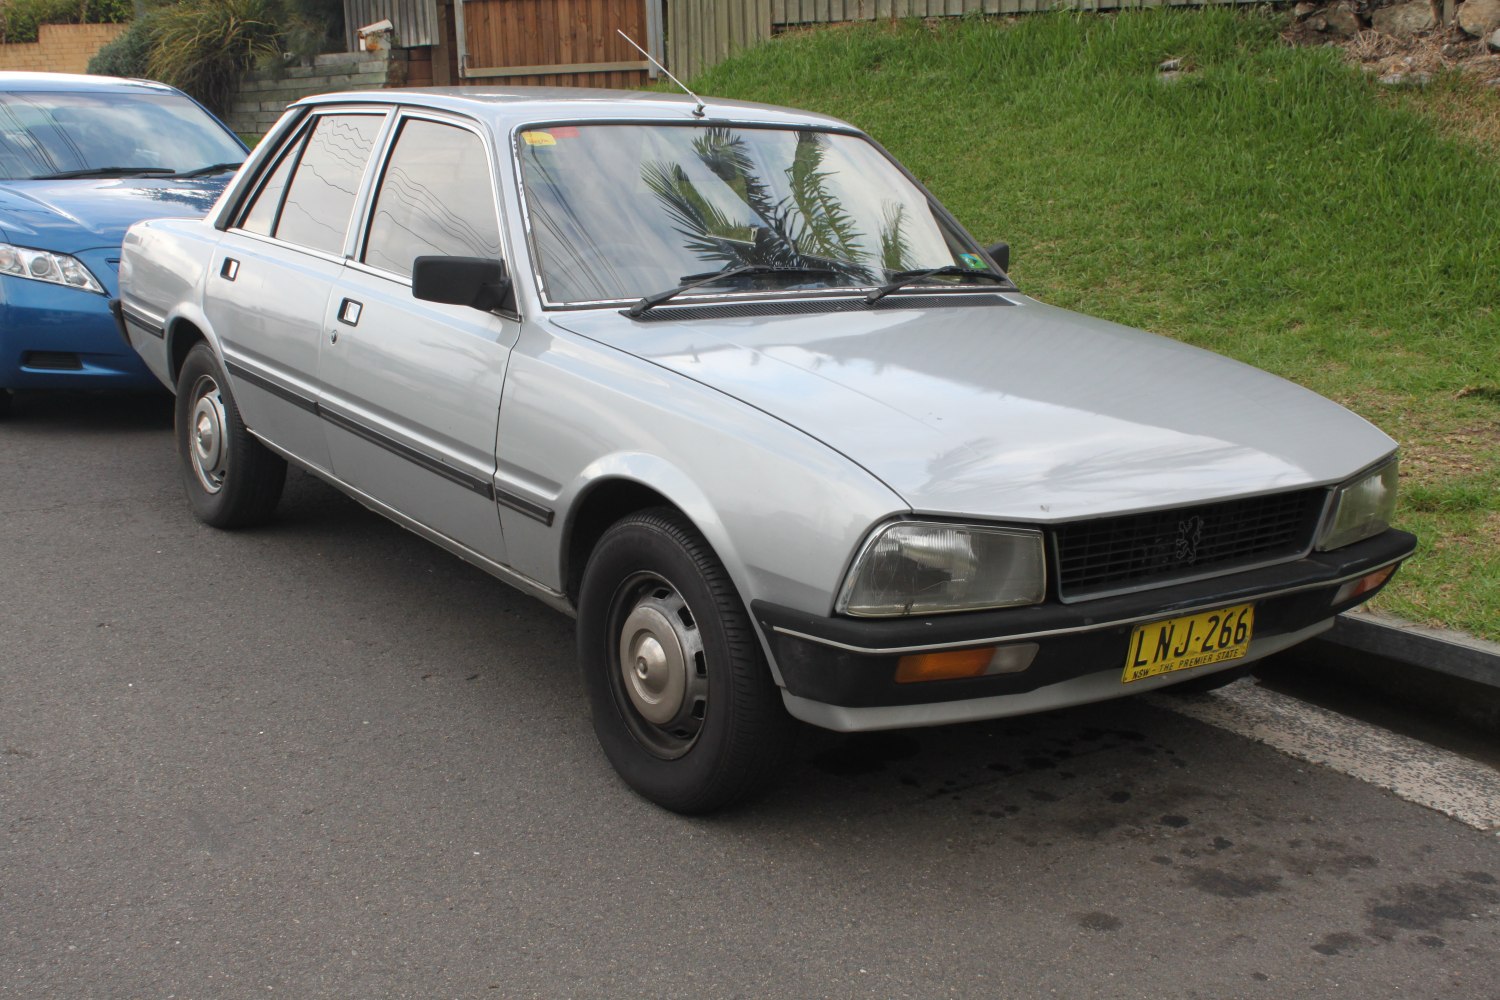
(973, 260)
(539, 138)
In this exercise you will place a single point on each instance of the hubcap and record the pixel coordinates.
(661, 667)
(206, 435)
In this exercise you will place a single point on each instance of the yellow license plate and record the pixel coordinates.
(1190, 641)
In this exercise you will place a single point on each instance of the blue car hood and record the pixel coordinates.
(67, 216)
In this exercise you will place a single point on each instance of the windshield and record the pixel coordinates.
(47, 133)
(624, 211)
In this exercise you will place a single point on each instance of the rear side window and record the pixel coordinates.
(261, 218)
(436, 197)
(320, 197)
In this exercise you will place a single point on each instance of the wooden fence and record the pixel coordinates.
(703, 33)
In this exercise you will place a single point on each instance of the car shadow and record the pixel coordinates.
(89, 412)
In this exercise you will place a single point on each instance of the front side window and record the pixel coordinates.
(50, 134)
(622, 211)
(320, 197)
(436, 197)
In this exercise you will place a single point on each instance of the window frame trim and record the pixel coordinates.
(403, 114)
(300, 132)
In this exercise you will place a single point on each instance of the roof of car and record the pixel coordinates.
(510, 106)
(14, 80)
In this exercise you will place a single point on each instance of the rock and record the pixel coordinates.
(1479, 17)
(1304, 10)
(1411, 79)
(1343, 22)
(1404, 18)
(1493, 42)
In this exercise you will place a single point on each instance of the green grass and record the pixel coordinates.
(1272, 205)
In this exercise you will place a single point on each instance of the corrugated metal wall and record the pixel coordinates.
(416, 21)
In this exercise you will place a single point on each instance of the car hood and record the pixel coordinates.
(86, 213)
(1017, 410)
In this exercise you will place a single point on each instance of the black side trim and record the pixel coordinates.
(298, 400)
(521, 505)
(483, 487)
(122, 314)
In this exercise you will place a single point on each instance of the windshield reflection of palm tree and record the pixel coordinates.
(806, 229)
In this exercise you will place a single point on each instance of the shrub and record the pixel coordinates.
(19, 19)
(204, 46)
(129, 54)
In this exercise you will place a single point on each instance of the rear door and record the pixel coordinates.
(274, 272)
(412, 388)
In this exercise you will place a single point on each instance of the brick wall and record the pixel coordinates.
(262, 96)
(59, 48)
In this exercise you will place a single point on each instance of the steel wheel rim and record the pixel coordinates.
(659, 671)
(208, 450)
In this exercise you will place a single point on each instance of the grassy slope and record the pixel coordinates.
(1268, 206)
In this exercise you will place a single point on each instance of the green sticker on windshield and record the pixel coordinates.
(974, 261)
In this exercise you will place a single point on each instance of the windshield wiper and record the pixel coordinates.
(63, 175)
(904, 278)
(212, 168)
(697, 280)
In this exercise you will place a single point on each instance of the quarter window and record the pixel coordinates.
(436, 197)
(320, 198)
(261, 218)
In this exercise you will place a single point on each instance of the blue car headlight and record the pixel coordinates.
(42, 265)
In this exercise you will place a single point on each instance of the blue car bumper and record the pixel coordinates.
(54, 337)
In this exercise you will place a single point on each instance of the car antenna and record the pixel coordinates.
(697, 111)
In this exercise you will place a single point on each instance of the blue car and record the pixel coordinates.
(82, 158)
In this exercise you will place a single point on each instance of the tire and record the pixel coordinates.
(682, 700)
(232, 480)
(1203, 685)
(5, 398)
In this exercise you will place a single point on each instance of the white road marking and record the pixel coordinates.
(1410, 769)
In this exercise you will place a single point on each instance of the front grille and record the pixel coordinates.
(52, 361)
(1109, 555)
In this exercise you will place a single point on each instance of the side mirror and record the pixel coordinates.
(1000, 254)
(478, 282)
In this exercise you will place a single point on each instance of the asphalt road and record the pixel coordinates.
(325, 759)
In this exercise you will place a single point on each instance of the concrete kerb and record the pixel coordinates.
(1442, 671)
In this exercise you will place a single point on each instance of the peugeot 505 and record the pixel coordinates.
(725, 382)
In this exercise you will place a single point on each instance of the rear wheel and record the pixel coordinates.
(5, 397)
(683, 703)
(232, 480)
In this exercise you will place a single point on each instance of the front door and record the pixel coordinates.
(412, 389)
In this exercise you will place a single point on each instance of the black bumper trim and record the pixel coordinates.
(852, 662)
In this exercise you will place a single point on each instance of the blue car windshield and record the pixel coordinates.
(624, 211)
(47, 133)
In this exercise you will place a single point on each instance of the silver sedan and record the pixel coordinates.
(729, 385)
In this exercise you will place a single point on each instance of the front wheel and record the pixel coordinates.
(683, 703)
(232, 480)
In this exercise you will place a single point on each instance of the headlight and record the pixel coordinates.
(1362, 509)
(39, 265)
(922, 568)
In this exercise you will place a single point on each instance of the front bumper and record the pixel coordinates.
(840, 672)
(53, 337)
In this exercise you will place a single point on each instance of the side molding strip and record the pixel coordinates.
(484, 488)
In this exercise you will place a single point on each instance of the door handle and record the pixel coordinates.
(349, 311)
(230, 269)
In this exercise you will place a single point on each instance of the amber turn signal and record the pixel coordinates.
(1362, 586)
(944, 666)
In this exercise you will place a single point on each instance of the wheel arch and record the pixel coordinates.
(182, 331)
